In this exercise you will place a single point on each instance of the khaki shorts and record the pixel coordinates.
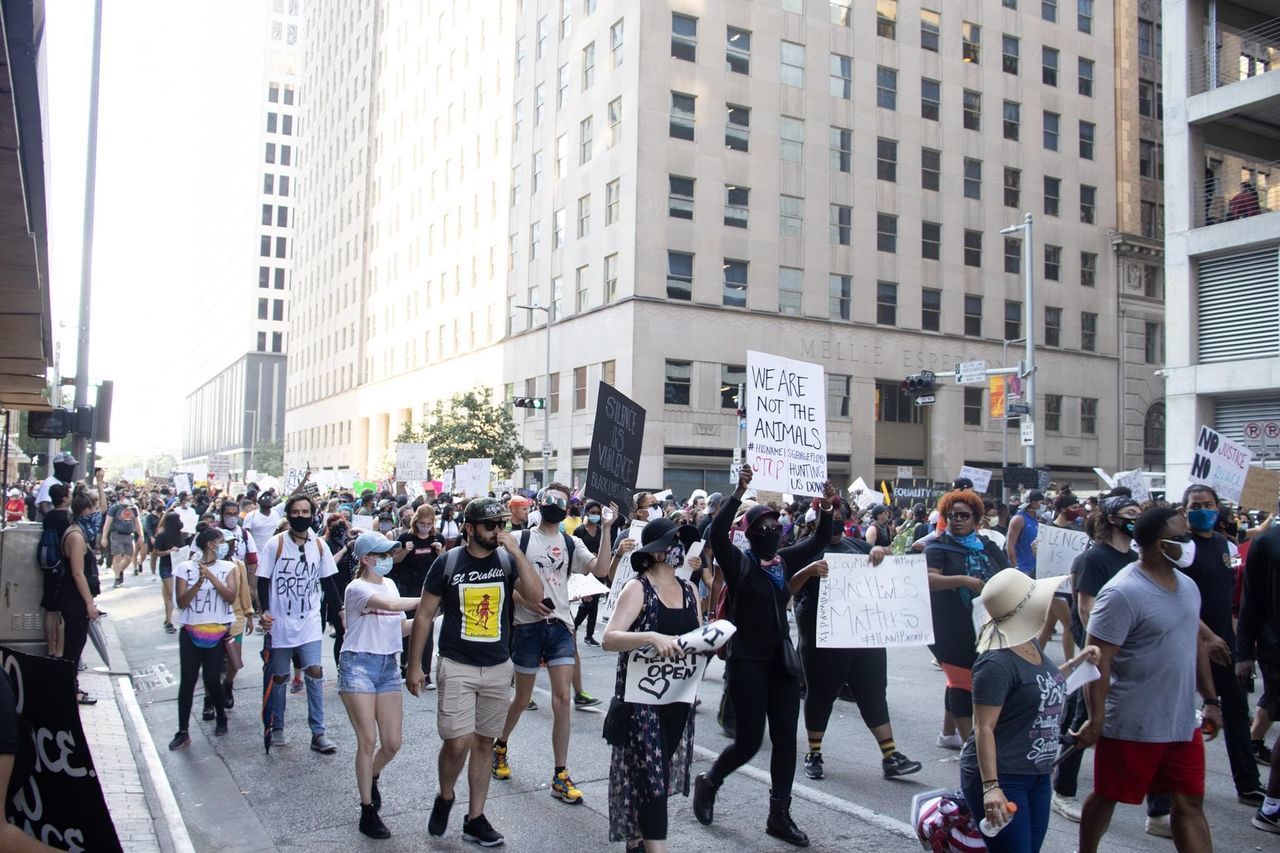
(472, 699)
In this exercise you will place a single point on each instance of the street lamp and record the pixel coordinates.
(1004, 444)
(546, 409)
(1028, 324)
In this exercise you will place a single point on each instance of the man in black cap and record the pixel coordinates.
(64, 472)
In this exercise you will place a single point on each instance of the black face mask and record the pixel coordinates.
(299, 523)
(764, 544)
(553, 513)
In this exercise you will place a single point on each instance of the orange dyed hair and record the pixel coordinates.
(966, 496)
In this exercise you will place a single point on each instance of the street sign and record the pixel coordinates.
(971, 373)
(1271, 429)
(1019, 409)
(1253, 430)
(1028, 432)
(926, 401)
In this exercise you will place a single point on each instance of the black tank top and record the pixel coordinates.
(674, 621)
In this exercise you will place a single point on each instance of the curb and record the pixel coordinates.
(170, 823)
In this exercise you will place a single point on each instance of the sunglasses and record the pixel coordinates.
(489, 525)
(555, 500)
(959, 516)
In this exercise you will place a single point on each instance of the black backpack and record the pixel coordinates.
(49, 552)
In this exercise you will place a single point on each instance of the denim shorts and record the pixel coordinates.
(309, 653)
(533, 644)
(366, 672)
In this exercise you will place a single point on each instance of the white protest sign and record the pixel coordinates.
(447, 480)
(1105, 477)
(685, 571)
(1056, 549)
(653, 680)
(585, 586)
(182, 483)
(362, 522)
(786, 424)
(134, 474)
(411, 461)
(293, 479)
(621, 577)
(1136, 482)
(414, 489)
(1082, 675)
(220, 467)
(473, 477)
(861, 606)
(189, 519)
(1221, 464)
(981, 478)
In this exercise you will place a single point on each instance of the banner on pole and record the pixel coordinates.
(996, 398)
(861, 606)
(786, 424)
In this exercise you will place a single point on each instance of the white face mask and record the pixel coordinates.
(1186, 555)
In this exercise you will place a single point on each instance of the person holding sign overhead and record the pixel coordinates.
(653, 761)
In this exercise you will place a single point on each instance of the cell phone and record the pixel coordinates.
(549, 604)
(606, 514)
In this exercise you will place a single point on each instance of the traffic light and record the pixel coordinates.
(529, 402)
(920, 384)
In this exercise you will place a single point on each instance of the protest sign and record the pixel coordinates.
(293, 479)
(133, 475)
(614, 460)
(624, 573)
(55, 793)
(472, 479)
(1261, 489)
(981, 478)
(182, 482)
(411, 461)
(362, 522)
(1056, 549)
(654, 680)
(1135, 482)
(220, 467)
(861, 606)
(585, 586)
(1220, 463)
(786, 424)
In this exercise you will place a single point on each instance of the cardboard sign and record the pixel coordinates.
(616, 438)
(786, 424)
(585, 586)
(1056, 549)
(653, 680)
(220, 467)
(861, 606)
(1261, 489)
(293, 479)
(411, 461)
(1220, 463)
(981, 478)
(472, 479)
(182, 483)
(362, 522)
(1135, 482)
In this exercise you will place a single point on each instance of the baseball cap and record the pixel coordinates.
(373, 543)
(1035, 495)
(485, 509)
(758, 512)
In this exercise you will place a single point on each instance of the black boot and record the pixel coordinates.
(780, 824)
(704, 798)
(375, 796)
(372, 825)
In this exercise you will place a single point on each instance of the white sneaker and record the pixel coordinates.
(951, 741)
(1068, 807)
(1159, 827)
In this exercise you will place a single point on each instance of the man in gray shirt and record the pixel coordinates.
(1146, 622)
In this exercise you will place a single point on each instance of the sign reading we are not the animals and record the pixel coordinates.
(786, 424)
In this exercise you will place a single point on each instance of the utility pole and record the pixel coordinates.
(546, 404)
(1029, 328)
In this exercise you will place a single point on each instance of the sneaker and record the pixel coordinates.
(278, 738)
(119, 583)
(207, 714)
(585, 700)
(169, 629)
(1068, 807)
(1267, 823)
(532, 706)
(477, 829)
(439, 820)
(1159, 826)
(500, 770)
(591, 641)
(1261, 753)
(375, 796)
(372, 825)
(562, 787)
(813, 765)
(1251, 798)
(296, 685)
(897, 765)
(952, 741)
(321, 744)
(220, 729)
(428, 683)
(180, 740)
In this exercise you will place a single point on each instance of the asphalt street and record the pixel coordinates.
(235, 797)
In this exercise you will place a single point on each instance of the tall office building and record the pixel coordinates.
(679, 183)
(246, 219)
(1222, 142)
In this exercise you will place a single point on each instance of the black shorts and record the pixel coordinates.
(1269, 698)
(49, 594)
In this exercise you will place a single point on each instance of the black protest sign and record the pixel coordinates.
(54, 794)
(615, 449)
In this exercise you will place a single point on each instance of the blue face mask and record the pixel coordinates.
(594, 519)
(384, 565)
(1202, 520)
(222, 550)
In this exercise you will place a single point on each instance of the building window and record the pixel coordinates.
(790, 216)
(1088, 203)
(680, 276)
(1147, 39)
(1146, 158)
(931, 240)
(539, 104)
(1088, 269)
(1154, 351)
(271, 152)
(615, 42)
(737, 51)
(886, 88)
(1084, 16)
(736, 202)
(972, 248)
(557, 229)
(737, 128)
(562, 85)
(1049, 10)
(887, 19)
(1049, 69)
(582, 289)
(584, 215)
(579, 389)
(279, 279)
(1012, 120)
(841, 296)
(1012, 320)
(277, 338)
(732, 377)
(1053, 262)
(535, 238)
(930, 168)
(557, 300)
(841, 14)
(972, 110)
(1053, 412)
(930, 309)
(584, 141)
(1010, 49)
(615, 122)
(1088, 331)
(886, 303)
(680, 197)
(790, 288)
(1084, 78)
(263, 306)
(841, 76)
(972, 48)
(282, 216)
(930, 99)
(264, 276)
(792, 58)
(1013, 254)
(973, 407)
(1012, 187)
(280, 247)
(682, 115)
(735, 283)
(887, 159)
(588, 66)
(841, 149)
(1146, 98)
(930, 30)
(268, 184)
(841, 225)
(1087, 129)
(536, 181)
(675, 390)
(684, 37)
(972, 315)
(838, 395)
(262, 342)
(893, 405)
(886, 233)
(1052, 124)
(610, 278)
(266, 213)
(612, 201)
(972, 178)
(1151, 281)
(791, 139)
(1052, 195)
(1052, 326)
(1088, 416)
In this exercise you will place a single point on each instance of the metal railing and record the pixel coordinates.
(1232, 187)
(1238, 55)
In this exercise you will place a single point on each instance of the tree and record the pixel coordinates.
(469, 426)
(268, 458)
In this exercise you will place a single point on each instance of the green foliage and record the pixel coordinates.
(268, 458)
(469, 426)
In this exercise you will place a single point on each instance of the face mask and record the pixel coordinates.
(1202, 520)
(384, 526)
(222, 550)
(423, 529)
(675, 555)
(384, 565)
(1186, 556)
(299, 523)
(338, 532)
(594, 519)
(1072, 514)
(230, 522)
(552, 513)
(764, 544)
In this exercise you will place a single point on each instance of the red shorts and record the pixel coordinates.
(1125, 771)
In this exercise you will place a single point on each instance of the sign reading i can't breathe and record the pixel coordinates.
(786, 424)
(616, 439)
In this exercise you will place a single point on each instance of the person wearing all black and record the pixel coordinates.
(1258, 640)
(763, 668)
(57, 519)
(79, 585)
(422, 543)
(337, 536)
(589, 532)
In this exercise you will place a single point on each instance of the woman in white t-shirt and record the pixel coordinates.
(368, 674)
(206, 587)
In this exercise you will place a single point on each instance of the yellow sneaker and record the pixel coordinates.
(562, 787)
(501, 770)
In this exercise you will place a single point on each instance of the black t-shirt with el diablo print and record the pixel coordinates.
(475, 603)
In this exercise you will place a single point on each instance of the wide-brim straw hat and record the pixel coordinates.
(1017, 606)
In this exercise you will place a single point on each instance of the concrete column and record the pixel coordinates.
(862, 412)
(360, 447)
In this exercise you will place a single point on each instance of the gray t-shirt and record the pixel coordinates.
(1030, 697)
(1153, 676)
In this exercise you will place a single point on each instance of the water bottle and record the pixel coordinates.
(987, 829)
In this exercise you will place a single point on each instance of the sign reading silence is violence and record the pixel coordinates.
(616, 439)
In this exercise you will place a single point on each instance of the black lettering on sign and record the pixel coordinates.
(616, 440)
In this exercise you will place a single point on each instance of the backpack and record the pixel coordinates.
(49, 552)
(568, 545)
(904, 540)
